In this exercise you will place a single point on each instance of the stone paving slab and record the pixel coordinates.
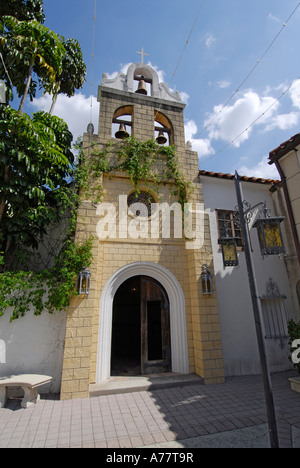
(295, 437)
(249, 437)
(232, 414)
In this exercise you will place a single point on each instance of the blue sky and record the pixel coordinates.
(213, 47)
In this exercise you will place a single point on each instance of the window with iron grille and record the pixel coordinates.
(228, 226)
(274, 312)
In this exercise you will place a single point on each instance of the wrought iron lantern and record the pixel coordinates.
(270, 235)
(229, 251)
(84, 282)
(206, 281)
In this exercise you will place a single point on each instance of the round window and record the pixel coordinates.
(144, 198)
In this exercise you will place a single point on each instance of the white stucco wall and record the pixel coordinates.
(33, 345)
(240, 349)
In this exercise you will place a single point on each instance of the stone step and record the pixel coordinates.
(139, 383)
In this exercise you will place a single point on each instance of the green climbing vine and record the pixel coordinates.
(52, 288)
(48, 290)
(139, 160)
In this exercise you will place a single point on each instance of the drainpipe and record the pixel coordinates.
(289, 208)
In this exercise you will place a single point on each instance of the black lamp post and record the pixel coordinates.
(270, 239)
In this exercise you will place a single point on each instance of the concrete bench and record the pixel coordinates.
(28, 382)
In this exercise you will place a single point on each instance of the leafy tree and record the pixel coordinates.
(30, 47)
(37, 155)
(73, 72)
(23, 10)
(37, 172)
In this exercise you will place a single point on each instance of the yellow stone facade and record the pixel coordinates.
(81, 352)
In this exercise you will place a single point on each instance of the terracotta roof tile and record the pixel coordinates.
(284, 148)
(221, 175)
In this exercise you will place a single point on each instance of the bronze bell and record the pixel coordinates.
(161, 139)
(121, 133)
(142, 87)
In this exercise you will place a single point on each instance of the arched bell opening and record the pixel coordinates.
(142, 87)
(122, 123)
(163, 130)
(142, 81)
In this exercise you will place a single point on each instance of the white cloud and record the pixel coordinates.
(124, 69)
(184, 97)
(161, 73)
(201, 146)
(75, 111)
(295, 94)
(210, 40)
(273, 18)
(289, 120)
(284, 121)
(223, 84)
(261, 170)
(190, 129)
(238, 120)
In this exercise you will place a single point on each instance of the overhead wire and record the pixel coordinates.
(188, 39)
(241, 84)
(251, 71)
(93, 55)
(183, 50)
(253, 123)
(236, 91)
(179, 60)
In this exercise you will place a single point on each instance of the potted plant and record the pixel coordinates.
(294, 343)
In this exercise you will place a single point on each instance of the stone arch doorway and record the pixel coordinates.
(178, 335)
(140, 328)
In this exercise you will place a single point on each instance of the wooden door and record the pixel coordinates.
(155, 328)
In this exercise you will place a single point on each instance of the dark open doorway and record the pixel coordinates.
(140, 328)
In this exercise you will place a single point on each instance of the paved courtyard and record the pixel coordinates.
(228, 415)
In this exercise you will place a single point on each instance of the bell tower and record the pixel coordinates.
(136, 105)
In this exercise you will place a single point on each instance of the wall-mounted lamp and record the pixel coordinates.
(84, 282)
(206, 281)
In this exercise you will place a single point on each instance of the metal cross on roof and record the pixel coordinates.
(142, 53)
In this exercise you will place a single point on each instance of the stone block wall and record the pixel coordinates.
(109, 255)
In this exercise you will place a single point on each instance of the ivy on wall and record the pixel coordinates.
(138, 159)
(53, 288)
